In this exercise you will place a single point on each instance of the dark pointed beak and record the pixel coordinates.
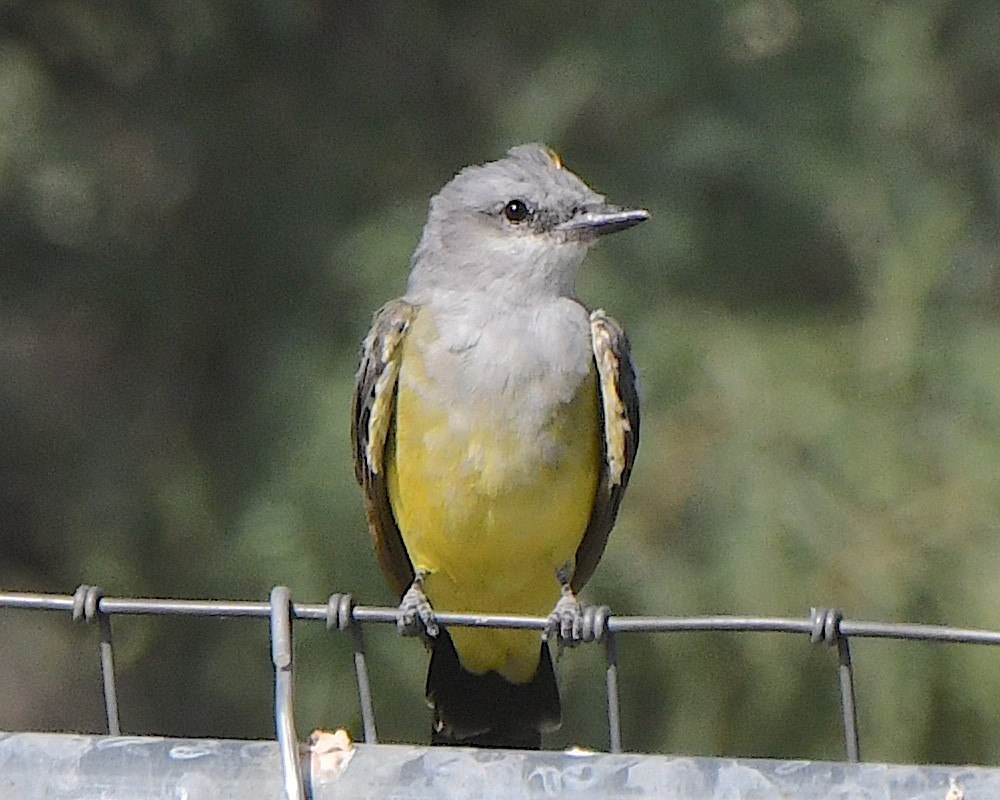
(605, 219)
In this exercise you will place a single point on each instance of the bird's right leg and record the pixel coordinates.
(571, 623)
(416, 616)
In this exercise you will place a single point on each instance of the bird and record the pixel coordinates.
(495, 426)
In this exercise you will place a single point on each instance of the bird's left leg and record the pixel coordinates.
(566, 620)
(416, 616)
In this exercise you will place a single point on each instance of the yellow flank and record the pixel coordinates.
(489, 510)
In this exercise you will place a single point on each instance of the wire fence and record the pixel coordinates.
(824, 626)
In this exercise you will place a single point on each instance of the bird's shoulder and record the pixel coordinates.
(374, 383)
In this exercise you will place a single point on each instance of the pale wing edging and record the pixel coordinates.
(620, 420)
(374, 401)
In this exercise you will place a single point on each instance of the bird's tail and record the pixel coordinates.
(487, 710)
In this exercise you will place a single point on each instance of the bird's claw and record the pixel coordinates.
(571, 624)
(565, 623)
(416, 616)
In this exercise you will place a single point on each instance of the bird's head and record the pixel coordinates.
(519, 226)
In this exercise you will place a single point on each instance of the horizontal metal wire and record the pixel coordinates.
(822, 625)
(615, 623)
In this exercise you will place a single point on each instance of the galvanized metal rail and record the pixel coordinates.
(54, 766)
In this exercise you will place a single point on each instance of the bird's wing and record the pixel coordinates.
(620, 422)
(374, 418)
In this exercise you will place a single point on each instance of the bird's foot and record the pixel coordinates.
(566, 621)
(571, 624)
(416, 616)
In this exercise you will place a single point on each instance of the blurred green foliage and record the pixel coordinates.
(204, 200)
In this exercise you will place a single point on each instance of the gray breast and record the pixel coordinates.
(514, 362)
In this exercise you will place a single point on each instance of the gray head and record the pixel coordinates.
(517, 227)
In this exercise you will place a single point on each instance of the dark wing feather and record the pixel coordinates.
(374, 420)
(620, 421)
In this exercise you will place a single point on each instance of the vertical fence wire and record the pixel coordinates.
(340, 617)
(284, 675)
(611, 683)
(848, 704)
(108, 676)
(364, 687)
(826, 629)
(86, 607)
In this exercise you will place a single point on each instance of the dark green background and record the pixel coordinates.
(203, 201)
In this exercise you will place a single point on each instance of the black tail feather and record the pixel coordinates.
(487, 710)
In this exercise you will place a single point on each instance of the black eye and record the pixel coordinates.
(516, 211)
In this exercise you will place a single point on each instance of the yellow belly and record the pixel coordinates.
(489, 512)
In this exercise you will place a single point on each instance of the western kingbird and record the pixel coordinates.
(495, 426)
